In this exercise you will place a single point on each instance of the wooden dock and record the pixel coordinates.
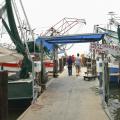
(68, 98)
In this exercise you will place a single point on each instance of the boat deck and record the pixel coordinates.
(68, 98)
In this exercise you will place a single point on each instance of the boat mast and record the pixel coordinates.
(13, 33)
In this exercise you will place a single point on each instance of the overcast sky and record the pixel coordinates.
(45, 13)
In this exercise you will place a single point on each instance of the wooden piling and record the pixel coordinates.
(55, 60)
(42, 82)
(3, 95)
(60, 65)
(106, 79)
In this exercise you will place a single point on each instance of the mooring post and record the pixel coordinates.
(55, 67)
(42, 79)
(3, 95)
(106, 79)
(119, 73)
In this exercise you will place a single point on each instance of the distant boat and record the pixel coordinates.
(112, 30)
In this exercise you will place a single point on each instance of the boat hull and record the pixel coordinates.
(20, 89)
(114, 74)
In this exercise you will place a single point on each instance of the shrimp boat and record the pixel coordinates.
(18, 89)
(21, 80)
(112, 46)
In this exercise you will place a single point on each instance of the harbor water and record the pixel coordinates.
(16, 108)
(114, 101)
(13, 114)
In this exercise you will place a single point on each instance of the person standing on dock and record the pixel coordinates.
(77, 64)
(69, 63)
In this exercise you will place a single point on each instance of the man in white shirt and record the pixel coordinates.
(77, 64)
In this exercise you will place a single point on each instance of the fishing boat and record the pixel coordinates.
(18, 89)
(111, 46)
(21, 75)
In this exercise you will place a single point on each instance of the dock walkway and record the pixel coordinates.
(68, 98)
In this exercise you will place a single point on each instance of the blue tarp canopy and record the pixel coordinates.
(40, 40)
(66, 39)
(72, 38)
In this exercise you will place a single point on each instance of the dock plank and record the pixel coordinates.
(67, 98)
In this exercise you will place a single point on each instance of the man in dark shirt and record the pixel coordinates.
(69, 63)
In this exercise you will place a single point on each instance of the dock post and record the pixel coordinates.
(119, 73)
(42, 79)
(60, 65)
(3, 95)
(106, 79)
(55, 57)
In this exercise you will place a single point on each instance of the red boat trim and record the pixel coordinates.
(10, 64)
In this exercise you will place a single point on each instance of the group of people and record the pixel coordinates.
(77, 61)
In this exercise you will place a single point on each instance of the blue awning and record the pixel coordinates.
(72, 38)
(49, 46)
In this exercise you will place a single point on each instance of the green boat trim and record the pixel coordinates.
(20, 89)
(20, 81)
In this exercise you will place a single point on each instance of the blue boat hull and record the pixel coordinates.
(20, 89)
(114, 78)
